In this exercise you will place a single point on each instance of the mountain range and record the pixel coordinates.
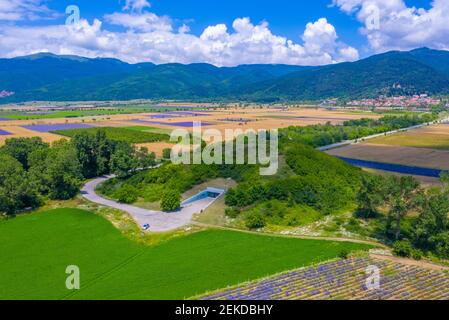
(49, 77)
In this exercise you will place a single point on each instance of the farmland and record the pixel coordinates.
(432, 137)
(178, 118)
(418, 157)
(118, 134)
(311, 188)
(51, 114)
(426, 147)
(36, 249)
(345, 280)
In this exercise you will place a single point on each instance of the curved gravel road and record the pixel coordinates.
(158, 221)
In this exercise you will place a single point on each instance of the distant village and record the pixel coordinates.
(422, 102)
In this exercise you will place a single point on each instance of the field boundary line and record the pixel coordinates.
(291, 236)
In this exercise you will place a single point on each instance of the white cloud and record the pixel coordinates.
(147, 21)
(184, 29)
(136, 5)
(16, 10)
(149, 37)
(401, 27)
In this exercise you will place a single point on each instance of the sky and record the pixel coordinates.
(223, 33)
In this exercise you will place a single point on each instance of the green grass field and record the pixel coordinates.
(76, 113)
(120, 134)
(149, 129)
(37, 248)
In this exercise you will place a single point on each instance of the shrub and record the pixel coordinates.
(171, 200)
(344, 254)
(417, 254)
(232, 212)
(255, 221)
(166, 153)
(403, 248)
(126, 194)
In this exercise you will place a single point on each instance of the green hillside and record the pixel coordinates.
(62, 78)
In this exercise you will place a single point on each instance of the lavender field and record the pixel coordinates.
(54, 127)
(187, 124)
(4, 133)
(345, 280)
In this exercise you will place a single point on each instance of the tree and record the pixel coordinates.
(16, 193)
(85, 145)
(432, 220)
(63, 172)
(166, 153)
(126, 194)
(21, 148)
(403, 248)
(370, 195)
(404, 194)
(255, 220)
(123, 161)
(171, 200)
(103, 150)
(145, 159)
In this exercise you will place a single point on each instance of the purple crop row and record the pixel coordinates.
(187, 124)
(345, 279)
(4, 133)
(53, 127)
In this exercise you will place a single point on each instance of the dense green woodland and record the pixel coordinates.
(45, 77)
(33, 171)
(413, 220)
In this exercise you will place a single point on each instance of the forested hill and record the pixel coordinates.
(52, 77)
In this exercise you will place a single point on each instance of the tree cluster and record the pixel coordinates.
(33, 171)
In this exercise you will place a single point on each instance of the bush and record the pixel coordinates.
(255, 221)
(403, 248)
(126, 194)
(171, 200)
(344, 254)
(166, 153)
(232, 212)
(417, 254)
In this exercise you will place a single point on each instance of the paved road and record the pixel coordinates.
(159, 221)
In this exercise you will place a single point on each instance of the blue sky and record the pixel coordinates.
(320, 31)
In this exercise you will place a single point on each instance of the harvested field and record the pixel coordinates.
(237, 118)
(346, 280)
(432, 137)
(415, 157)
(156, 147)
(19, 132)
